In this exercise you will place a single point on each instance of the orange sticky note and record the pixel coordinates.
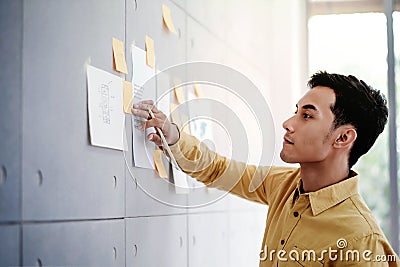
(178, 92)
(185, 123)
(198, 91)
(166, 13)
(174, 115)
(173, 106)
(158, 164)
(150, 52)
(119, 56)
(128, 95)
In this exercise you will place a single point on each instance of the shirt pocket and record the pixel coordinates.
(305, 257)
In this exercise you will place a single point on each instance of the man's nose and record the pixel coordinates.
(288, 125)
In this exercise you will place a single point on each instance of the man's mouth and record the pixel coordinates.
(286, 140)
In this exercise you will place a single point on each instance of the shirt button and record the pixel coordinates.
(295, 214)
(282, 242)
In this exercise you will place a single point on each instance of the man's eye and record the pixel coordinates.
(306, 116)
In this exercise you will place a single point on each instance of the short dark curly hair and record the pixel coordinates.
(357, 104)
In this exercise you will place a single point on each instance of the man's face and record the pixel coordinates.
(309, 135)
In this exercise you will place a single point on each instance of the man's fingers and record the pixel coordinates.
(146, 105)
(145, 114)
(141, 106)
(140, 113)
(155, 138)
(154, 109)
(156, 122)
(149, 102)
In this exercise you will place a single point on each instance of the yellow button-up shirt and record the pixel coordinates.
(329, 227)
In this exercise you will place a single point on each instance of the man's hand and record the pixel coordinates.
(160, 121)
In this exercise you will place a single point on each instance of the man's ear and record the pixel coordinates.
(346, 137)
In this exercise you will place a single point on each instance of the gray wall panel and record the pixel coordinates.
(246, 232)
(78, 180)
(204, 199)
(236, 203)
(151, 195)
(211, 14)
(208, 240)
(180, 3)
(203, 45)
(9, 245)
(10, 109)
(233, 22)
(147, 20)
(92, 243)
(170, 49)
(156, 241)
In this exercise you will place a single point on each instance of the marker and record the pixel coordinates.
(165, 143)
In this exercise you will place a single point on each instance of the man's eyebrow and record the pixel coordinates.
(309, 106)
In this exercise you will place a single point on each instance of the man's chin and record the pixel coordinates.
(287, 159)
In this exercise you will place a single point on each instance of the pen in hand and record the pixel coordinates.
(165, 143)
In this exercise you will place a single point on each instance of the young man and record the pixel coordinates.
(316, 216)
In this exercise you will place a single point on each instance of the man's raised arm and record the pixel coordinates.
(208, 167)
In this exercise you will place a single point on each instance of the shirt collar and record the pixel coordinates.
(330, 196)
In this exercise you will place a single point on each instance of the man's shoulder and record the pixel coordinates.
(355, 216)
(365, 215)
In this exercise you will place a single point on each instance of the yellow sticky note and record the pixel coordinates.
(128, 95)
(198, 91)
(174, 116)
(185, 123)
(173, 106)
(166, 13)
(150, 52)
(119, 56)
(179, 92)
(158, 164)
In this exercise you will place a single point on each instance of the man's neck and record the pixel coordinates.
(316, 176)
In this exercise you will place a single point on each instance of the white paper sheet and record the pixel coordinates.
(180, 182)
(163, 94)
(142, 89)
(105, 106)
